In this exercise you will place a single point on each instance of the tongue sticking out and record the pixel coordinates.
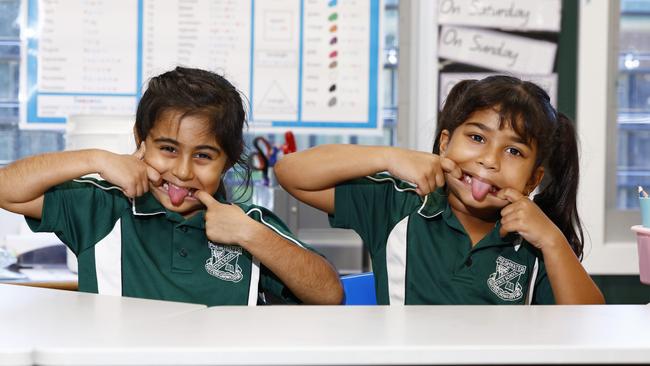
(480, 189)
(177, 194)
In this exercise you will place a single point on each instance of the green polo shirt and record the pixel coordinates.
(421, 254)
(137, 248)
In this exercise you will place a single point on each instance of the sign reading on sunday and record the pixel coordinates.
(526, 15)
(449, 79)
(496, 50)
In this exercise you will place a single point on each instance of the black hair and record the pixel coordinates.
(199, 93)
(527, 108)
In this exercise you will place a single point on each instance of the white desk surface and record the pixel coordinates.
(336, 335)
(33, 317)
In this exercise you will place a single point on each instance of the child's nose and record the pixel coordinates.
(490, 159)
(183, 169)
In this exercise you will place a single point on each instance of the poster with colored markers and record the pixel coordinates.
(311, 66)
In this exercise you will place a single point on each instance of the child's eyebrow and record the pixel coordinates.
(167, 140)
(176, 143)
(208, 147)
(515, 137)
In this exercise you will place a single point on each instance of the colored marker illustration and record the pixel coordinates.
(333, 54)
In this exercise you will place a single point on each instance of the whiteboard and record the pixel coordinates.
(311, 66)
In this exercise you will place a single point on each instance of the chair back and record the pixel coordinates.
(359, 289)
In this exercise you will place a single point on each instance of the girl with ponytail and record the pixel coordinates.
(489, 217)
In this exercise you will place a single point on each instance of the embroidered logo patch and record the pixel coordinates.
(223, 262)
(505, 281)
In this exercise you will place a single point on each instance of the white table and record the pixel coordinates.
(35, 317)
(368, 335)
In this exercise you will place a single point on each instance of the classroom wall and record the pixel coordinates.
(10, 225)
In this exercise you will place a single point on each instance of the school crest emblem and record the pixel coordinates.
(505, 281)
(223, 262)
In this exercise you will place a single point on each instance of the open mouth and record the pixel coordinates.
(480, 188)
(178, 194)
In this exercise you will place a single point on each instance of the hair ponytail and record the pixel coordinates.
(560, 187)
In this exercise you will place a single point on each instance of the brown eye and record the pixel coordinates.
(203, 156)
(477, 138)
(513, 151)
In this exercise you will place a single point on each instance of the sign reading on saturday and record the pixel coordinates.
(496, 50)
(526, 15)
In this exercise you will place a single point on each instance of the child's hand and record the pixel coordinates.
(128, 172)
(526, 218)
(225, 224)
(427, 171)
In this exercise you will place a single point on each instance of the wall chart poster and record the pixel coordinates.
(312, 66)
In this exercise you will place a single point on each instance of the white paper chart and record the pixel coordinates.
(308, 65)
(516, 15)
(496, 50)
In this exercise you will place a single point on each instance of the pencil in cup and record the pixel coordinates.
(644, 204)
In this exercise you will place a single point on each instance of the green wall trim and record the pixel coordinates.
(623, 289)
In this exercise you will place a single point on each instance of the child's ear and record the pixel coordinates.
(535, 180)
(444, 142)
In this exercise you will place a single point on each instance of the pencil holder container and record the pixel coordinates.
(643, 247)
(644, 204)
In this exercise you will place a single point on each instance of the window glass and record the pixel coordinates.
(16, 143)
(633, 96)
(7, 143)
(9, 28)
(9, 70)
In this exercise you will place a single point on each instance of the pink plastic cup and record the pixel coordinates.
(643, 246)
